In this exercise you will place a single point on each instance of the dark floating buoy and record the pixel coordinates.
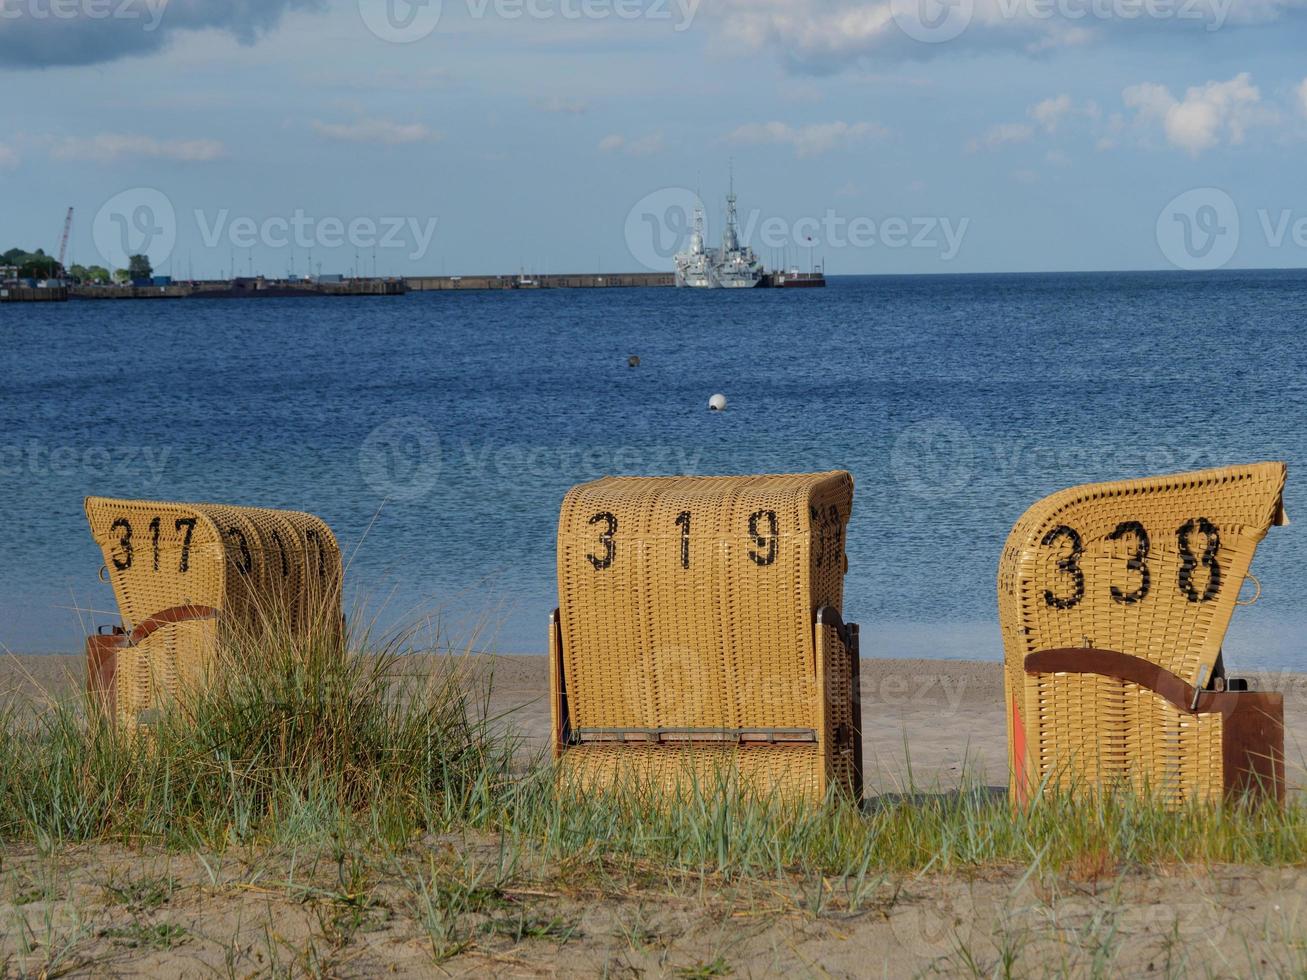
(633, 361)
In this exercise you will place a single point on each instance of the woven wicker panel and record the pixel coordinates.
(257, 569)
(837, 694)
(169, 664)
(792, 772)
(1151, 568)
(688, 601)
(1091, 732)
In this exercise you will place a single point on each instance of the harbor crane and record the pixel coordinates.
(63, 243)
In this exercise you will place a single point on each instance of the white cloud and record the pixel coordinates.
(560, 105)
(643, 147)
(808, 29)
(1001, 135)
(9, 158)
(377, 131)
(1207, 115)
(108, 147)
(823, 36)
(1058, 36)
(1302, 97)
(808, 141)
(1050, 112)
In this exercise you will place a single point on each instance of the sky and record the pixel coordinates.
(492, 136)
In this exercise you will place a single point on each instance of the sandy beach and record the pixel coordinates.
(110, 908)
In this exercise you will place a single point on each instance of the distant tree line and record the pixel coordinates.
(38, 265)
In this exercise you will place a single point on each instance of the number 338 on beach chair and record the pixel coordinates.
(1114, 600)
(186, 574)
(700, 632)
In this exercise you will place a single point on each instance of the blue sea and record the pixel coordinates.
(438, 432)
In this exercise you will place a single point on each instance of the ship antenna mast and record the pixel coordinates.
(731, 238)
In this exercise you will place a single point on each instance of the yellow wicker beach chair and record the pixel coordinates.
(185, 575)
(700, 633)
(1114, 600)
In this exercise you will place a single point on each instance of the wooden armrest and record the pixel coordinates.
(1253, 736)
(1122, 666)
(177, 614)
(829, 616)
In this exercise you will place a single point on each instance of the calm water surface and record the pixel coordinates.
(438, 432)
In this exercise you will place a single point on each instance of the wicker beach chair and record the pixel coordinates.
(700, 632)
(185, 573)
(1114, 600)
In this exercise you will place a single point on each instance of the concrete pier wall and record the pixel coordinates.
(583, 280)
(31, 294)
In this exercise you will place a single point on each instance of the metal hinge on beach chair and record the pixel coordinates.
(700, 631)
(185, 573)
(1114, 601)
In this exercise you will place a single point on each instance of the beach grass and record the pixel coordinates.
(297, 739)
(386, 772)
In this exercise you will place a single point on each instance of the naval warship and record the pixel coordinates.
(733, 266)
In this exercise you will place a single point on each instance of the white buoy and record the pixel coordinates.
(717, 403)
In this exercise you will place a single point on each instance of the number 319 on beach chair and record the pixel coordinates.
(700, 631)
(185, 574)
(1114, 600)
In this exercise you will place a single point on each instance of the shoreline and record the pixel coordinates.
(928, 723)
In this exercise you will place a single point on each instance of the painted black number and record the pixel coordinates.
(683, 522)
(188, 524)
(1070, 565)
(124, 528)
(247, 560)
(606, 539)
(1138, 562)
(767, 541)
(1189, 562)
(154, 540)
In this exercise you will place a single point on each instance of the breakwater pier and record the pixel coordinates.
(253, 288)
(33, 294)
(579, 280)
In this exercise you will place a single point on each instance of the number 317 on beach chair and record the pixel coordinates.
(184, 576)
(700, 632)
(1114, 600)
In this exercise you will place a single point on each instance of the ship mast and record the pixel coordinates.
(730, 238)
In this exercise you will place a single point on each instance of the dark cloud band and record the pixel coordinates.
(51, 33)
